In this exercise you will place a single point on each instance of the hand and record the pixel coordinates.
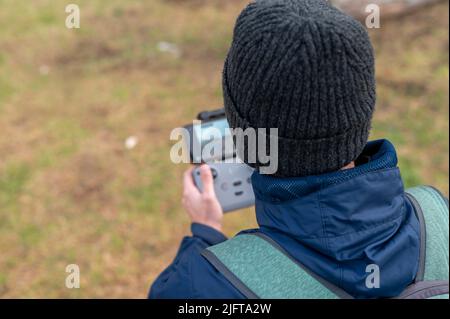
(202, 207)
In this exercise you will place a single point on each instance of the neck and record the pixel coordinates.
(349, 166)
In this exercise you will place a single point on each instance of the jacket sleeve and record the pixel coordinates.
(176, 280)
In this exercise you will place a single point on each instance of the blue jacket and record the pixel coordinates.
(335, 224)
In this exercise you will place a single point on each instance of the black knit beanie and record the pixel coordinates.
(306, 68)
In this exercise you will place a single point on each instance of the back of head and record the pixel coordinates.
(307, 69)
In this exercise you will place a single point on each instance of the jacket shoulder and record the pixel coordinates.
(191, 276)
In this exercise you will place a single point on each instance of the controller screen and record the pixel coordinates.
(210, 131)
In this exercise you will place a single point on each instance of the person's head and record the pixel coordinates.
(307, 69)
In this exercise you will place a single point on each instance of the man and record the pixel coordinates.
(336, 205)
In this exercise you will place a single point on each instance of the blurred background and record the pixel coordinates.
(85, 117)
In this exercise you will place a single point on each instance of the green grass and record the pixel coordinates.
(6, 89)
(69, 190)
(12, 183)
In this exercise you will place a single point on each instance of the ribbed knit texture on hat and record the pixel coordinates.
(306, 68)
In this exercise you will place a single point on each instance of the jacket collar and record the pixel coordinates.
(336, 213)
(337, 224)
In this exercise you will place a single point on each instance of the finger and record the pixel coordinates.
(207, 179)
(188, 182)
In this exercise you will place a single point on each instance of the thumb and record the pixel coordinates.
(207, 179)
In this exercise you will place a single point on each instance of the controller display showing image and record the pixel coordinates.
(232, 178)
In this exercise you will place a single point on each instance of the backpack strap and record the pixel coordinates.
(432, 210)
(247, 258)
